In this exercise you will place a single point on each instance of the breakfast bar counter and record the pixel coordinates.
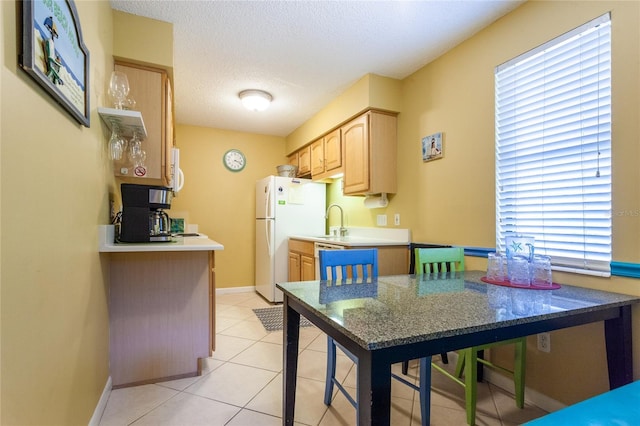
(161, 302)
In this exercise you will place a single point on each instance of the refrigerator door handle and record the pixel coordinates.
(268, 234)
(267, 201)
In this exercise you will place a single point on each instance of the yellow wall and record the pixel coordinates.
(54, 192)
(371, 91)
(55, 182)
(220, 202)
(451, 200)
(153, 40)
(355, 214)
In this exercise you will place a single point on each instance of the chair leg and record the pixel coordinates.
(444, 357)
(425, 390)
(405, 367)
(470, 385)
(331, 370)
(461, 362)
(519, 369)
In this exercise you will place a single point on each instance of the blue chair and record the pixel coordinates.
(360, 266)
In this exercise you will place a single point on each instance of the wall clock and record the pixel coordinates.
(234, 160)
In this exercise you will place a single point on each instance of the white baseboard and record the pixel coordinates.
(230, 290)
(102, 404)
(531, 396)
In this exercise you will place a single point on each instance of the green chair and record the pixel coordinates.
(438, 260)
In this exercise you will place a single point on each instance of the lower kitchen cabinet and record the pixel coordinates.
(302, 264)
(392, 260)
(161, 315)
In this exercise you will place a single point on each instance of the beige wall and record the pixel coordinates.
(54, 188)
(220, 202)
(452, 200)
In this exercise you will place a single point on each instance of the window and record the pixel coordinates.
(553, 148)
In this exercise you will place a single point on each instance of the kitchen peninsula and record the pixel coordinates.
(161, 302)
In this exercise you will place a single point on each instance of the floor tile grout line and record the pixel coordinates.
(252, 301)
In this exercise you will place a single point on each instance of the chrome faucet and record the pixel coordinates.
(343, 230)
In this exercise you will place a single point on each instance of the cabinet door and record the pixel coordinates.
(317, 157)
(293, 160)
(294, 266)
(304, 161)
(355, 140)
(332, 151)
(147, 90)
(307, 268)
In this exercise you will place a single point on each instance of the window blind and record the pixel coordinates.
(553, 148)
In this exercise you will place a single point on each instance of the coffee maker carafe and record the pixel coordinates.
(159, 225)
(143, 216)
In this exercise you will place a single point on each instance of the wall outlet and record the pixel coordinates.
(382, 220)
(396, 219)
(544, 342)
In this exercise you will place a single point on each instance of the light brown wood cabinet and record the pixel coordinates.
(369, 151)
(364, 150)
(302, 264)
(392, 260)
(293, 159)
(151, 90)
(304, 161)
(326, 155)
(317, 157)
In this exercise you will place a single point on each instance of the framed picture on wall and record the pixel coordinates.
(432, 147)
(54, 55)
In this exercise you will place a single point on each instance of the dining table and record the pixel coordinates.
(390, 319)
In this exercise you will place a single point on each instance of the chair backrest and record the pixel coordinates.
(358, 264)
(434, 260)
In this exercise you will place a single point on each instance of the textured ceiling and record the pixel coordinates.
(305, 53)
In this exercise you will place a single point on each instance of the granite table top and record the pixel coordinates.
(404, 309)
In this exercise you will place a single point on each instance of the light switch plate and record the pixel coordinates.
(382, 220)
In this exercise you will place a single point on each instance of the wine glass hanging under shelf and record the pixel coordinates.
(128, 121)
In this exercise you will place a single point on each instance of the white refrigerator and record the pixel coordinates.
(284, 207)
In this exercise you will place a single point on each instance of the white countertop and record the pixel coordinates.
(363, 237)
(107, 244)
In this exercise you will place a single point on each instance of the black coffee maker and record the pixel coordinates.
(143, 218)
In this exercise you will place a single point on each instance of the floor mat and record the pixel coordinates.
(271, 318)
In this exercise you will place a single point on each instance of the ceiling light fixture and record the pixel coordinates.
(255, 100)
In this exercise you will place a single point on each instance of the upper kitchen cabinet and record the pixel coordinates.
(369, 146)
(151, 90)
(326, 156)
(293, 160)
(304, 161)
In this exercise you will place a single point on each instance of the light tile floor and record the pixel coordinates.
(242, 385)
